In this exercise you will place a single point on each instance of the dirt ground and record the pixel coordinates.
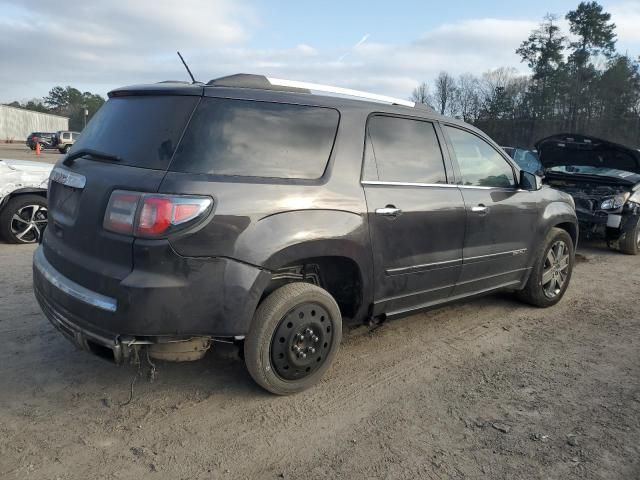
(19, 151)
(489, 388)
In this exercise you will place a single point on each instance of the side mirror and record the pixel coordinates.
(530, 181)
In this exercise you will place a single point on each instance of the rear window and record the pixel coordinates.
(257, 139)
(143, 130)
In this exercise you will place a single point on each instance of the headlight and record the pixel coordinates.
(614, 202)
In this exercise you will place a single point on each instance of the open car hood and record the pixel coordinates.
(568, 149)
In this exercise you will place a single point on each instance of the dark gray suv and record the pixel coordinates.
(254, 211)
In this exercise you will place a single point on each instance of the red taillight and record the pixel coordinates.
(153, 215)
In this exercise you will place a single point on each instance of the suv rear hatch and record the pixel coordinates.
(138, 130)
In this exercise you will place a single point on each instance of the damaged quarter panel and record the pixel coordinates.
(279, 225)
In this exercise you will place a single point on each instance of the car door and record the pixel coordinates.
(416, 217)
(501, 218)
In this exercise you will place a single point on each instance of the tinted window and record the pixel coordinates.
(144, 131)
(66, 136)
(402, 150)
(480, 163)
(257, 139)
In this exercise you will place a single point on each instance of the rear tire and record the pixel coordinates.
(274, 347)
(551, 272)
(629, 241)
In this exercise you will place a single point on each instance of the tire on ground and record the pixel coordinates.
(533, 292)
(272, 310)
(629, 237)
(11, 207)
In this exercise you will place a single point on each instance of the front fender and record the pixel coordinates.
(556, 213)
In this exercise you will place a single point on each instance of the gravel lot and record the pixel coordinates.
(19, 151)
(485, 389)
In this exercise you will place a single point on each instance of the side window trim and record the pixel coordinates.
(454, 159)
(447, 161)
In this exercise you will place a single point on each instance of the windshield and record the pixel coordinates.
(589, 170)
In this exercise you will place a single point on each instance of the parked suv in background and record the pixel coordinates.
(250, 210)
(43, 138)
(64, 140)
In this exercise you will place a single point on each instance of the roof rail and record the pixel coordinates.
(339, 91)
(244, 80)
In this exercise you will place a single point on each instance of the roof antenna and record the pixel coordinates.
(187, 67)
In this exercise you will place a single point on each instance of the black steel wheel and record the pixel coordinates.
(23, 219)
(294, 336)
(301, 340)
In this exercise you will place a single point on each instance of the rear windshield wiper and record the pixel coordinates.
(90, 152)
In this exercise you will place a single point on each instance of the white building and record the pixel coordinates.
(17, 123)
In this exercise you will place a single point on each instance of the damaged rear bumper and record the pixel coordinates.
(145, 314)
(110, 348)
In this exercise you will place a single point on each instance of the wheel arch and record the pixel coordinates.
(561, 215)
(23, 191)
(347, 278)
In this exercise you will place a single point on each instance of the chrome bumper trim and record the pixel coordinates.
(70, 287)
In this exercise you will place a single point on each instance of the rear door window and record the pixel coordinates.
(257, 139)
(142, 130)
(403, 150)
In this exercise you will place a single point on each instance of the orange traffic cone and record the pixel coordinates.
(37, 149)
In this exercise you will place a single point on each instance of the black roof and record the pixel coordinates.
(258, 87)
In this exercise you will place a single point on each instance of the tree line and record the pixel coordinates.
(68, 102)
(578, 85)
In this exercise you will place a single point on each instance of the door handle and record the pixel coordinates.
(480, 209)
(389, 211)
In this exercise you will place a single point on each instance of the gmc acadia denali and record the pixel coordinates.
(255, 211)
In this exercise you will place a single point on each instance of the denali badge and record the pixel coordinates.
(68, 178)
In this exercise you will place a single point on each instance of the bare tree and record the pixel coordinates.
(421, 94)
(445, 92)
(467, 98)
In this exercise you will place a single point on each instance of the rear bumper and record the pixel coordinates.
(193, 297)
(108, 347)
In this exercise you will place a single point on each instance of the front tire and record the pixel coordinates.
(293, 339)
(23, 219)
(551, 272)
(629, 241)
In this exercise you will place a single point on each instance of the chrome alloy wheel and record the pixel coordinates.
(556, 269)
(28, 223)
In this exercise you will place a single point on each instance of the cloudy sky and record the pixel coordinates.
(381, 46)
